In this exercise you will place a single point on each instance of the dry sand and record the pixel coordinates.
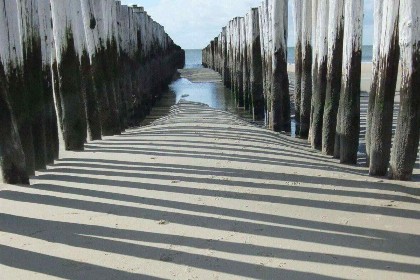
(201, 194)
(366, 76)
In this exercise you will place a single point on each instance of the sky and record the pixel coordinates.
(192, 24)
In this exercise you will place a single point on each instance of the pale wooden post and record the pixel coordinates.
(383, 110)
(335, 65)
(297, 19)
(280, 98)
(406, 141)
(377, 29)
(306, 84)
(12, 157)
(320, 76)
(349, 107)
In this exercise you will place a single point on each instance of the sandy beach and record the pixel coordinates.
(366, 76)
(199, 193)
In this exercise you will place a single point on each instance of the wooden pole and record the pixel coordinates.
(334, 70)
(297, 19)
(47, 40)
(69, 51)
(103, 70)
(320, 80)
(349, 107)
(12, 157)
(245, 64)
(32, 60)
(314, 60)
(255, 65)
(383, 112)
(377, 30)
(280, 98)
(406, 141)
(88, 90)
(239, 66)
(263, 56)
(306, 84)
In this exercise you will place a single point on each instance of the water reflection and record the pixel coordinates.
(216, 95)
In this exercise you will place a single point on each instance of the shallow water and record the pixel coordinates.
(213, 94)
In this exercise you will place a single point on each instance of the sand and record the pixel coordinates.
(366, 76)
(198, 193)
(200, 75)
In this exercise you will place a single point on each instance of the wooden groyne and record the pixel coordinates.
(89, 67)
(328, 76)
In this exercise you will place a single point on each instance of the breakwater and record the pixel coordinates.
(251, 55)
(87, 68)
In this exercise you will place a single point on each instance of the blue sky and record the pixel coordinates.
(193, 23)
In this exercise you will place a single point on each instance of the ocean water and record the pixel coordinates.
(193, 59)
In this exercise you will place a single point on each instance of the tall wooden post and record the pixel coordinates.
(377, 30)
(349, 107)
(103, 70)
(314, 26)
(306, 83)
(383, 112)
(280, 98)
(406, 141)
(12, 157)
(69, 51)
(239, 66)
(297, 19)
(47, 41)
(320, 80)
(29, 29)
(245, 63)
(255, 65)
(335, 64)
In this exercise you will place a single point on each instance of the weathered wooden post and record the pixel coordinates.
(255, 65)
(314, 27)
(244, 60)
(212, 54)
(123, 19)
(239, 62)
(225, 65)
(232, 56)
(86, 24)
(335, 64)
(12, 158)
(349, 107)
(280, 98)
(297, 18)
(269, 57)
(383, 112)
(102, 71)
(47, 41)
(306, 84)
(263, 55)
(377, 30)
(406, 141)
(320, 75)
(69, 51)
(29, 30)
(112, 54)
